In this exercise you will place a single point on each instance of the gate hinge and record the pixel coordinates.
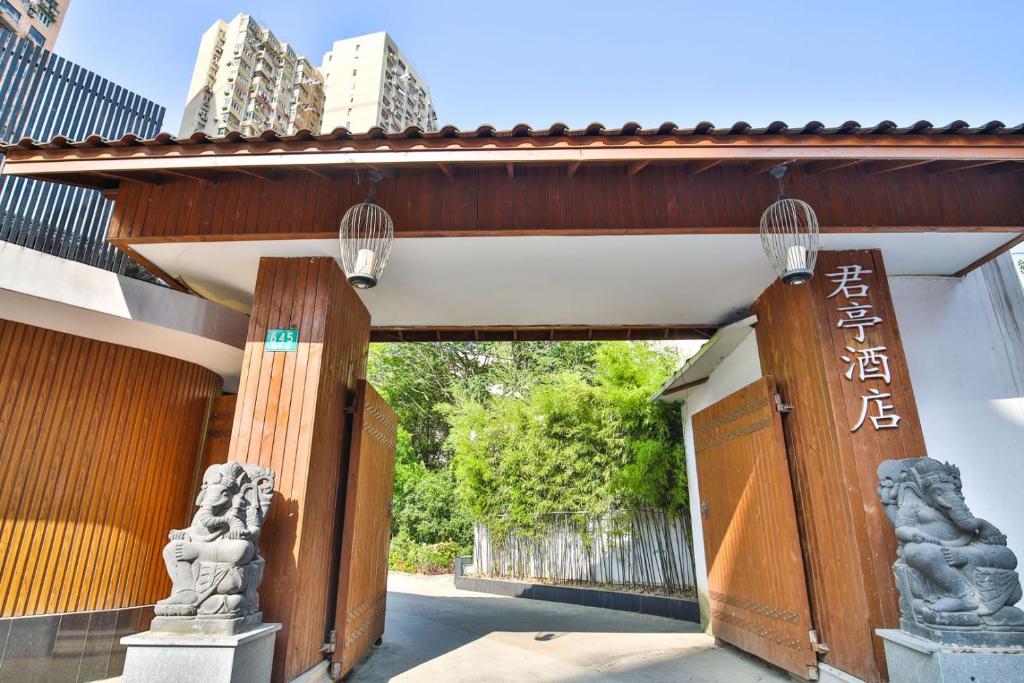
(329, 647)
(350, 407)
(819, 648)
(781, 406)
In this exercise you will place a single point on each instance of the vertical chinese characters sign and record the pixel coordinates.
(863, 356)
(864, 361)
(834, 348)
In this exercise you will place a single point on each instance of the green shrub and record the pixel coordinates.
(577, 441)
(407, 555)
(428, 510)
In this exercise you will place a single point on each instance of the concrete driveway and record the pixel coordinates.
(435, 633)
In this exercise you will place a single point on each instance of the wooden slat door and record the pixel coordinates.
(756, 581)
(362, 581)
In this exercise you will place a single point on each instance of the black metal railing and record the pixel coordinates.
(43, 95)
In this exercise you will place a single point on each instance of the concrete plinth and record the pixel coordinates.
(915, 660)
(194, 658)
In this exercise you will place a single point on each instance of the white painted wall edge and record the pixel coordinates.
(703, 363)
(67, 296)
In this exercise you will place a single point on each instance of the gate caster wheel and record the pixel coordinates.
(377, 642)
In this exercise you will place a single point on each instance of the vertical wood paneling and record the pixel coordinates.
(363, 576)
(662, 197)
(218, 434)
(98, 444)
(290, 416)
(756, 579)
(848, 545)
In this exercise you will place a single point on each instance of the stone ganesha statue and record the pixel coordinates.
(955, 575)
(214, 564)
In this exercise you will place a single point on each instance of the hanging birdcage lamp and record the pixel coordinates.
(366, 234)
(790, 235)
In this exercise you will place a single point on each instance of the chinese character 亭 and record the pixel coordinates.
(857, 317)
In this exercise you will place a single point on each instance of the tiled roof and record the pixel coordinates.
(703, 128)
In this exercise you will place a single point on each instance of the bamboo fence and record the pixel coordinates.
(643, 549)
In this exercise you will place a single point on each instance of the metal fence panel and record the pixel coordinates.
(43, 95)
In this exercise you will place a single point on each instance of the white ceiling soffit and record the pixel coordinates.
(598, 280)
(709, 357)
(66, 296)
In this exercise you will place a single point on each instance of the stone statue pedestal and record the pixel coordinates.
(912, 659)
(195, 657)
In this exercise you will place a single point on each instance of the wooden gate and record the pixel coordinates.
(756, 579)
(363, 576)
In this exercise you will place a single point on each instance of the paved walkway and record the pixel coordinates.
(435, 633)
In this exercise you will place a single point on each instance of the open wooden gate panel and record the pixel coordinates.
(362, 581)
(756, 580)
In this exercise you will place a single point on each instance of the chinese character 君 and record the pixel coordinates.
(844, 278)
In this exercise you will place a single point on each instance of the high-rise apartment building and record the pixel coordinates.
(37, 20)
(369, 82)
(246, 80)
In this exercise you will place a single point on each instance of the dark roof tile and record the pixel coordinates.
(629, 129)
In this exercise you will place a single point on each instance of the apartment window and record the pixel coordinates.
(353, 72)
(357, 47)
(10, 10)
(36, 36)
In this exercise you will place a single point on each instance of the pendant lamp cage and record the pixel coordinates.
(790, 235)
(366, 234)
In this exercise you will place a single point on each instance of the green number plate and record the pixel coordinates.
(282, 340)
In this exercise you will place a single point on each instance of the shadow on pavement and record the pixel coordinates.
(424, 627)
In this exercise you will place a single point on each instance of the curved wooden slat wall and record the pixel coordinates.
(98, 448)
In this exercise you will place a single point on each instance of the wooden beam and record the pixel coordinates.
(203, 177)
(510, 169)
(142, 177)
(878, 167)
(998, 251)
(541, 332)
(1006, 167)
(446, 169)
(257, 172)
(636, 167)
(701, 166)
(573, 167)
(171, 281)
(759, 167)
(326, 174)
(827, 166)
(684, 387)
(962, 167)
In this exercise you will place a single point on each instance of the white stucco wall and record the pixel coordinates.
(965, 348)
(739, 369)
(964, 341)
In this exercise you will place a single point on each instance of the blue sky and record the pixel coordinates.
(613, 62)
